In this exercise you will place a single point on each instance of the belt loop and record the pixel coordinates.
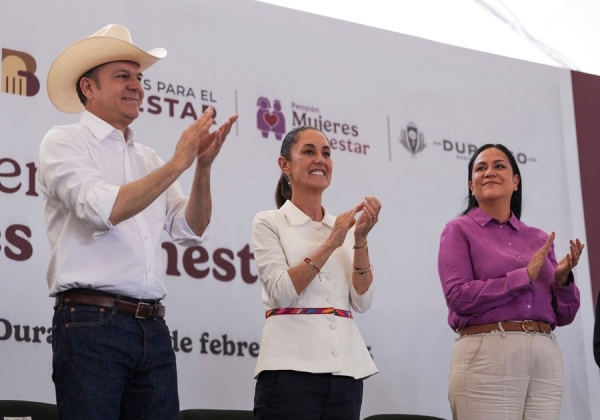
(58, 301)
(117, 303)
(501, 328)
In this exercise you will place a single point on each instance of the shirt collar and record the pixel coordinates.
(482, 218)
(297, 217)
(101, 129)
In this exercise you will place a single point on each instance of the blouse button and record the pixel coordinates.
(510, 243)
(335, 353)
(329, 299)
(333, 326)
(318, 227)
(501, 226)
(529, 306)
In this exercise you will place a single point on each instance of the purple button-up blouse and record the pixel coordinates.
(483, 269)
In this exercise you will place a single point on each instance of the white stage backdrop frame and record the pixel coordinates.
(365, 87)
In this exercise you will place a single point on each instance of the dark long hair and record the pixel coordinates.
(283, 192)
(516, 201)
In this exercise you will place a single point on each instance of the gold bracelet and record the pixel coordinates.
(365, 246)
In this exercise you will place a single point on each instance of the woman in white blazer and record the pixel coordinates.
(315, 270)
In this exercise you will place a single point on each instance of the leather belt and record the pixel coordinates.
(139, 310)
(528, 326)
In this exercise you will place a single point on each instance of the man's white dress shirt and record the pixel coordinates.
(81, 169)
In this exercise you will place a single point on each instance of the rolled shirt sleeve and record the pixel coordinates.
(68, 172)
(362, 303)
(271, 262)
(565, 299)
(175, 222)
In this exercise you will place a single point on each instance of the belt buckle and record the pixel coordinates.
(139, 305)
(523, 326)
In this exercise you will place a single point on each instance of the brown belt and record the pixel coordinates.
(527, 326)
(139, 309)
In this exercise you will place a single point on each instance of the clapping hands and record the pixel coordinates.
(370, 208)
(569, 261)
(369, 217)
(565, 265)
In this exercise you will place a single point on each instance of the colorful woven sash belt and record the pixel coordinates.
(309, 311)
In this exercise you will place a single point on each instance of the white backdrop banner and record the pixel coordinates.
(403, 116)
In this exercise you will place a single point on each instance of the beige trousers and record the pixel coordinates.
(506, 376)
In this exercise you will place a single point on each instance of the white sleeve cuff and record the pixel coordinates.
(182, 234)
(361, 303)
(98, 207)
(282, 292)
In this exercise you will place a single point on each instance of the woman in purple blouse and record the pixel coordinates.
(505, 293)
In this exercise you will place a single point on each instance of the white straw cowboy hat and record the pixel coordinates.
(111, 43)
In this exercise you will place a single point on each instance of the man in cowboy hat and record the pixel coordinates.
(108, 198)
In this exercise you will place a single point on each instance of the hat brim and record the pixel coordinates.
(84, 55)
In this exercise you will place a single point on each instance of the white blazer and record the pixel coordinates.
(308, 343)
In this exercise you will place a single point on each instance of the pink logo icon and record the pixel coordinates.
(270, 121)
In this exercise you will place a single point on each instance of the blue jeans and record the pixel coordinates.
(292, 395)
(108, 365)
